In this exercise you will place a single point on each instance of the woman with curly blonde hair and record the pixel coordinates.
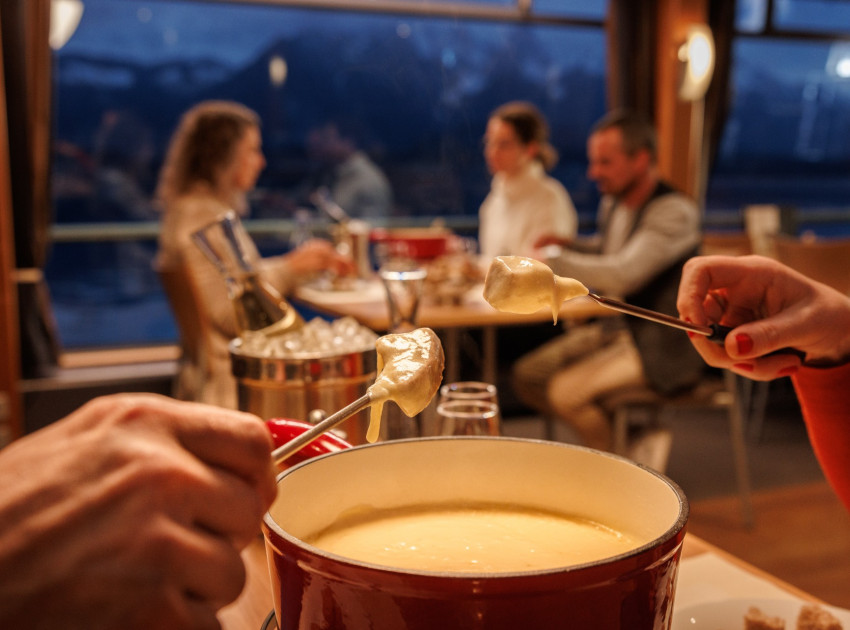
(213, 161)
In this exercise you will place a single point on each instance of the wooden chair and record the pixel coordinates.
(726, 244)
(191, 322)
(824, 260)
(752, 395)
(643, 406)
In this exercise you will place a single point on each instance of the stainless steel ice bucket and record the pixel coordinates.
(293, 387)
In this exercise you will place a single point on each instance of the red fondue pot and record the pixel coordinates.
(314, 589)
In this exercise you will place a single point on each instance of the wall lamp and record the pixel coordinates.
(64, 18)
(696, 58)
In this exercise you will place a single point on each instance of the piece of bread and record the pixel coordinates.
(813, 617)
(755, 619)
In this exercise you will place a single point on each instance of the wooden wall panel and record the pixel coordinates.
(9, 345)
(679, 124)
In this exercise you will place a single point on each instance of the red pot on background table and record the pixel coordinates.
(315, 589)
(416, 243)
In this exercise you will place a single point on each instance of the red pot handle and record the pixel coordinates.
(285, 429)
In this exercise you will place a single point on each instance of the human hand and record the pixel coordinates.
(319, 255)
(770, 307)
(131, 513)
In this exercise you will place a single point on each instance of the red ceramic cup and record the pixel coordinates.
(634, 590)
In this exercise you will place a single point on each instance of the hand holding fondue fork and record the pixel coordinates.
(769, 307)
(516, 284)
(131, 512)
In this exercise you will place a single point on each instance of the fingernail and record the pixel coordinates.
(745, 344)
(744, 367)
(791, 369)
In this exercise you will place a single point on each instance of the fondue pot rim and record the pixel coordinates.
(675, 529)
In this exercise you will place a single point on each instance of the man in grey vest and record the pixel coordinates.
(645, 232)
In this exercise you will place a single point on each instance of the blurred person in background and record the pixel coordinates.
(123, 158)
(213, 161)
(346, 173)
(771, 308)
(646, 230)
(131, 513)
(124, 177)
(524, 203)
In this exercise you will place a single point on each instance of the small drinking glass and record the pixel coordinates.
(469, 390)
(403, 282)
(472, 390)
(467, 417)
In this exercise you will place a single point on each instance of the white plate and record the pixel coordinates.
(360, 291)
(729, 614)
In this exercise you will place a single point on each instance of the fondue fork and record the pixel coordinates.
(282, 452)
(714, 332)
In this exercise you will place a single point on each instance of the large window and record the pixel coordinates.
(415, 88)
(787, 138)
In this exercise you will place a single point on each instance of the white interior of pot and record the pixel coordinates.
(535, 474)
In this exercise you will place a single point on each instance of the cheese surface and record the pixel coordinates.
(471, 539)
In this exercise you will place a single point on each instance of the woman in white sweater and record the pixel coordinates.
(524, 202)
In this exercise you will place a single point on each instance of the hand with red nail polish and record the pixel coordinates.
(770, 307)
(745, 343)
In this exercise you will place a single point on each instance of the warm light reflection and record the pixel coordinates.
(278, 70)
(64, 18)
(697, 57)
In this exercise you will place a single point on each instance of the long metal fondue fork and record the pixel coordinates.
(714, 332)
(297, 443)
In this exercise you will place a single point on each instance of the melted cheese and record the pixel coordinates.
(478, 539)
(410, 369)
(515, 284)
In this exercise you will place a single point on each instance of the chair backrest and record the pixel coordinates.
(824, 260)
(726, 244)
(191, 320)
